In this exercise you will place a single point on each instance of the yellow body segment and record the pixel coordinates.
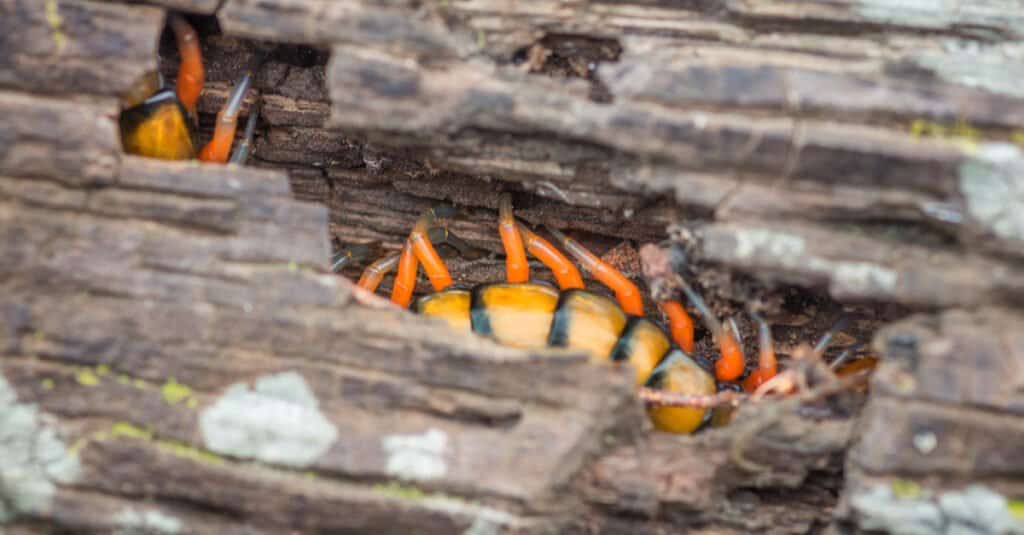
(517, 315)
(684, 377)
(158, 128)
(588, 321)
(646, 345)
(450, 305)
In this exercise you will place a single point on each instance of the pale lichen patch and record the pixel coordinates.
(760, 242)
(485, 520)
(417, 456)
(920, 13)
(997, 68)
(791, 252)
(976, 509)
(131, 522)
(992, 183)
(863, 278)
(33, 459)
(277, 421)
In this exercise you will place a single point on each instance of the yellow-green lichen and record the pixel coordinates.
(127, 429)
(179, 449)
(39, 335)
(47, 384)
(398, 490)
(959, 131)
(83, 441)
(139, 383)
(86, 377)
(1017, 137)
(124, 379)
(174, 392)
(56, 23)
(192, 403)
(188, 452)
(102, 370)
(905, 489)
(1016, 508)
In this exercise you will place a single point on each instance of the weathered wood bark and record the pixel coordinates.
(176, 358)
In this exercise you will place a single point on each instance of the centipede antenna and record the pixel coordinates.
(826, 339)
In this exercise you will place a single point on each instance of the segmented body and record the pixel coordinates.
(159, 127)
(161, 123)
(532, 315)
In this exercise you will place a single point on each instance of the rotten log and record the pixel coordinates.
(837, 154)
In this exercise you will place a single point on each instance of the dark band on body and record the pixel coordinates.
(558, 336)
(478, 316)
(624, 347)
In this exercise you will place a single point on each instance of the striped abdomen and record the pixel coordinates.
(529, 315)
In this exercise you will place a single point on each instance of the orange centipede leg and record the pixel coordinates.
(374, 273)
(435, 267)
(565, 271)
(730, 363)
(191, 75)
(405, 280)
(219, 148)
(516, 267)
(625, 291)
(680, 324)
(766, 362)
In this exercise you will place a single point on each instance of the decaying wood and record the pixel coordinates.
(734, 111)
(73, 47)
(176, 357)
(146, 338)
(943, 429)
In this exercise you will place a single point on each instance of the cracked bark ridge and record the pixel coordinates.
(939, 443)
(147, 305)
(72, 47)
(739, 111)
(173, 324)
(156, 319)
